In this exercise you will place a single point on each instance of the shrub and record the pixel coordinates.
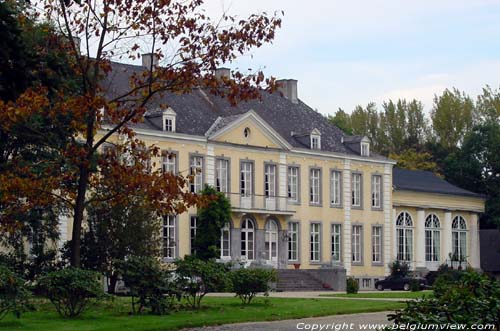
(399, 268)
(352, 285)
(445, 271)
(248, 282)
(415, 285)
(199, 277)
(472, 299)
(71, 290)
(14, 297)
(150, 286)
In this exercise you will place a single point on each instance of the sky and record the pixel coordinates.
(351, 52)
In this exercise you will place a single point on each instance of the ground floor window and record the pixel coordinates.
(293, 241)
(404, 236)
(169, 237)
(432, 238)
(192, 232)
(377, 244)
(271, 240)
(356, 243)
(247, 239)
(459, 238)
(336, 242)
(315, 242)
(225, 242)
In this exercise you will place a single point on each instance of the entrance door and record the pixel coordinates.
(271, 241)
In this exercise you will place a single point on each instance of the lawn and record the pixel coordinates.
(113, 315)
(382, 295)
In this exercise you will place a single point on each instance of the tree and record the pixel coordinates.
(342, 120)
(413, 160)
(395, 118)
(212, 217)
(452, 116)
(189, 45)
(488, 105)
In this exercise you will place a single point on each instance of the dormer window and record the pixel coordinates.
(365, 149)
(315, 139)
(168, 117)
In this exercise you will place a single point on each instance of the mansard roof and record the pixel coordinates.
(199, 111)
(425, 181)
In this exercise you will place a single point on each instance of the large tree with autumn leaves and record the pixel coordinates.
(189, 46)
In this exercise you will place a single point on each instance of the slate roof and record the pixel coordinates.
(425, 181)
(197, 111)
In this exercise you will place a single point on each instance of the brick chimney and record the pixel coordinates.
(222, 72)
(289, 89)
(148, 58)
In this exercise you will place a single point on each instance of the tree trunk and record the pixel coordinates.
(78, 217)
(113, 279)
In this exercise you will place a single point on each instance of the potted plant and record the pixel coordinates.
(296, 265)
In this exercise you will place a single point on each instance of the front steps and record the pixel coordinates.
(298, 280)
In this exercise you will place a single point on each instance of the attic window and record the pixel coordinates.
(169, 125)
(168, 117)
(365, 149)
(315, 142)
(246, 132)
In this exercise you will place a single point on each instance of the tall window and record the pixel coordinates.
(377, 191)
(459, 237)
(293, 184)
(432, 238)
(404, 236)
(377, 244)
(335, 190)
(192, 231)
(247, 239)
(225, 242)
(222, 175)
(315, 186)
(270, 180)
(315, 242)
(246, 178)
(168, 162)
(271, 240)
(356, 190)
(356, 243)
(196, 170)
(169, 237)
(293, 241)
(336, 242)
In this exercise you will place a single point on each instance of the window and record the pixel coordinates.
(365, 149)
(459, 238)
(335, 190)
(336, 242)
(271, 240)
(196, 170)
(293, 241)
(366, 283)
(377, 244)
(315, 186)
(377, 191)
(270, 180)
(404, 237)
(247, 239)
(192, 231)
(315, 142)
(246, 132)
(356, 190)
(315, 242)
(432, 238)
(169, 125)
(246, 179)
(169, 162)
(169, 237)
(225, 242)
(356, 243)
(222, 175)
(293, 184)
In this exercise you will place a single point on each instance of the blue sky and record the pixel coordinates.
(348, 52)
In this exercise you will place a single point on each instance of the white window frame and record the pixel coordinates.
(293, 241)
(432, 238)
(315, 186)
(336, 239)
(315, 242)
(248, 239)
(222, 175)
(365, 149)
(377, 244)
(357, 247)
(271, 240)
(193, 227)
(293, 184)
(196, 170)
(225, 243)
(459, 237)
(356, 189)
(169, 124)
(377, 191)
(169, 237)
(335, 188)
(404, 237)
(169, 162)
(315, 142)
(270, 180)
(246, 179)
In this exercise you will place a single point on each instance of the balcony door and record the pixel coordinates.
(270, 186)
(271, 241)
(246, 183)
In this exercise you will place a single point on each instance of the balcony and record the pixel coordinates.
(260, 204)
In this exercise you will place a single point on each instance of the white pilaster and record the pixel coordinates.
(387, 199)
(474, 250)
(446, 248)
(347, 217)
(282, 173)
(420, 239)
(210, 172)
(394, 232)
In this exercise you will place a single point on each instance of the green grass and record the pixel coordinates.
(113, 316)
(382, 295)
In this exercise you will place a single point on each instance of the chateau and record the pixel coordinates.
(302, 191)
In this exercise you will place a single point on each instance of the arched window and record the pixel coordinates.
(404, 236)
(247, 239)
(225, 242)
(459, 238)
(271, 240)
(432, 238)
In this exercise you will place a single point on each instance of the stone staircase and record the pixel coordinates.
(297, 280)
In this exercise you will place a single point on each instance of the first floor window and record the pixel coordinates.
(192, 231)
(293, 241)
(315, 242)
(293, 184)
(169, 236)
(246, 175)
(335, 188)
(432, 238)
(377, 244)
(315, 186)
(247, 239)
(356, 190)
(168, 162)
(404, 237)
(225, 242)
(222, 175)
(356, 243)
(336, 242)
(377, 191)
(459, 238)
(196, 170)
(270, 180)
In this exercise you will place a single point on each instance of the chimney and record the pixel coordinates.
(289, 89)
(148, 58)
(222, 72)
